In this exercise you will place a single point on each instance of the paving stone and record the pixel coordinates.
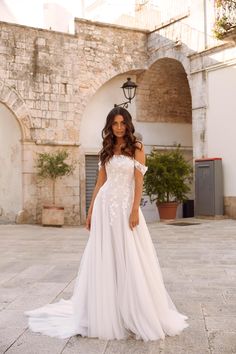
(80, 345)
(215, 309)
(35, 271)
(221, 323)
(132, 346)
(223, 342)
(12, 267)
(45, 288)
(33, 343)
(12, 318)
(229, 294)
(8, 337)
(60, 274)
(70, 287)
(192, 340)
(199, 294)
(198, 268)
(29, 302)
(66, 295)
(3, 306)
(7, 295)
(192, 308)
(5, 277)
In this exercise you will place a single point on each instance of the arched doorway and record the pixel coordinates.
(164, 110)
(164, 105)
(161, 112)
(164, 93)
(11, 166)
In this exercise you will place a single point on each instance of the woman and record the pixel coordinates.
(119, 290)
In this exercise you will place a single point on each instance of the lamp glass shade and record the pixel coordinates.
(129, 89)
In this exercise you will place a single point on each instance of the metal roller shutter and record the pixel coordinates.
(91, 170)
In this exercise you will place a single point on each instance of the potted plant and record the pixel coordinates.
(225, 22)
(167, 180)
(53, 166)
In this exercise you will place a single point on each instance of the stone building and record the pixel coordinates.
(57, 88)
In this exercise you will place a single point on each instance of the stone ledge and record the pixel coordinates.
(110, 25)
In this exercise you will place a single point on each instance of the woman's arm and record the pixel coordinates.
(138, 177)
(102, 176)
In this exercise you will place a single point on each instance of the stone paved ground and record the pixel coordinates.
(38, 265)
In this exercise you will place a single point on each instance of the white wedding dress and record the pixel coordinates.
(119, 290)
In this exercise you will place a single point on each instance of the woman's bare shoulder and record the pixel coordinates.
(139, 154)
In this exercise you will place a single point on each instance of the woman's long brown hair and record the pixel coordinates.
(109, 140)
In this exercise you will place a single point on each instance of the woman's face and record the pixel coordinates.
(118, 126)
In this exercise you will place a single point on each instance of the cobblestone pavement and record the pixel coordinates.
(38, 265)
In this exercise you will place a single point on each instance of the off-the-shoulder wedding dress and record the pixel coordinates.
(119, 290)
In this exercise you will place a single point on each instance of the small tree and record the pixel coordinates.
(168, 176)
(53, 166)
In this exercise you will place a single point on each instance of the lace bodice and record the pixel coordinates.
(124, 161)
(117, 192)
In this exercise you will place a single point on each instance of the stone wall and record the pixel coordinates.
(46, 80)
(164, 93)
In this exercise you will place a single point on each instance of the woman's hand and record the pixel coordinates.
(88, 221)
(134, 218)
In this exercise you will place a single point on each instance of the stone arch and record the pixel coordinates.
(114, 95)
(171, 53)
(164, 93)
(104, 77)
(178, 54)
(12, 99)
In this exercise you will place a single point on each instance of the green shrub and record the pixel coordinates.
(168, 177)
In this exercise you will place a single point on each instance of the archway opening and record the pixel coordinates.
(164, 112)
(11, 166)
(163, 99)
(164, 93)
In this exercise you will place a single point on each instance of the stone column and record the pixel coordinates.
(197, 83)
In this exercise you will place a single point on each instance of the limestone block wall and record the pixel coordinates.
(46, 80)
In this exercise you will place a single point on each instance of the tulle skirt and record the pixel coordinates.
(119, 291)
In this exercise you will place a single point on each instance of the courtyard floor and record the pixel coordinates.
(38, 265)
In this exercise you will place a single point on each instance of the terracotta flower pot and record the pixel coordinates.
(52, 215)
(167, 210)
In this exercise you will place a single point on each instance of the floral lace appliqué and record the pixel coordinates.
(119, 186)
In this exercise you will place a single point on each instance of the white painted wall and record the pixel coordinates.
(24, 12)
(94, 118)
(97, 110)
(10, 165)
(58, 18)
(160, 134)
(59, 14)
(221, 123)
